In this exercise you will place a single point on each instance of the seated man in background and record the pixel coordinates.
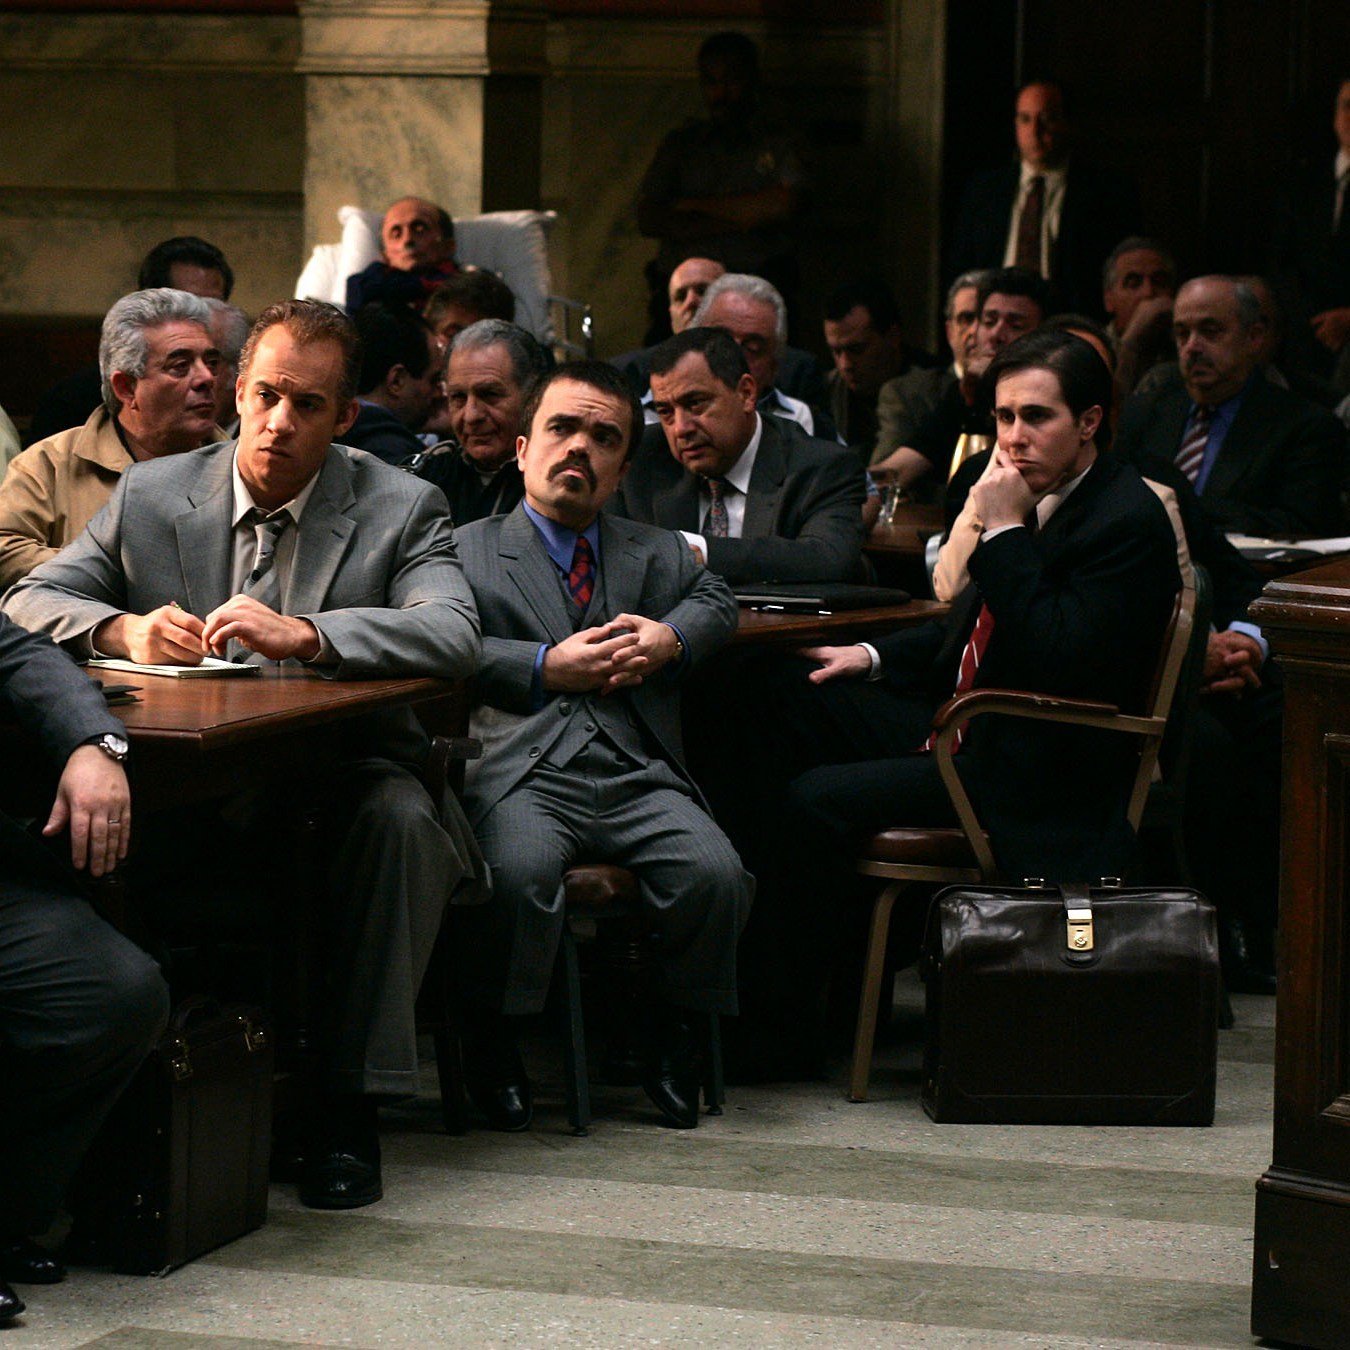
(1262, 460)
(688, 284)
(904, 402)
(229, 327)
(80, 1005)
(491, 370)
(184, 263)
(1139, 284)
(467, 297)
(287, 548)
(1072, 584)
(753, 312)
(754, 496)
(1011, 301)
(160, 366)
(399, 386)
(590, 624)
(862, 331)
(417, 254)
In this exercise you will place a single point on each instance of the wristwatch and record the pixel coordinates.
(112, 745)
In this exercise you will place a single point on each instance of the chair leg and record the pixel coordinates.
(450, 1073)
(714, 1086)
(574, 1040)
(874, 966)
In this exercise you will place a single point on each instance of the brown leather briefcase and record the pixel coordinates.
(1064, 1005)
(180, 1166)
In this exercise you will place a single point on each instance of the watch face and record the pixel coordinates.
(116, 745)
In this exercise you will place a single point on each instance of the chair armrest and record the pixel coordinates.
(956, 712)
(447, 751)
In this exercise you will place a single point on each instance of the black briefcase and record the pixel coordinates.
(1064, 1005)
(180, 1166)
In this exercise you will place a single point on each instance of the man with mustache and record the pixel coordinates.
(1262, 460)
(590, 625)
(753, 495)
(159, 363)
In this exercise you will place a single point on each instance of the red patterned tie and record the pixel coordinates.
(971, 656)
(1193, 444)
(1028, 250)
(581, 579)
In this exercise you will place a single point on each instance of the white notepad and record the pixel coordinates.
(211, 665)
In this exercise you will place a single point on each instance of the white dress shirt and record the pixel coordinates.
(738, 477)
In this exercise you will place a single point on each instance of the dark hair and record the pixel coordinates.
(869, 293)
(718, 348)
(1078, 323)
(736, 49)
(391, 335)
(476, 289)
(183, 248)
(308, 322)
(1015, 281)
(1136, 243)
(598, 375)
(1084, 380)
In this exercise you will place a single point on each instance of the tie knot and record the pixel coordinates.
(718, 488)
(272, 521)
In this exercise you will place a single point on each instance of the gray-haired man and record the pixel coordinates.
(158, 361)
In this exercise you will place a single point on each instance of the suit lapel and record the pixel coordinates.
(676, 507)
(204, 538)
(322, 538)
(622, 569)
(766, 482)
(1246, 435)
(525, 560)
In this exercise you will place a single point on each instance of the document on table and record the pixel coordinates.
(210, 666)
(1328, 547)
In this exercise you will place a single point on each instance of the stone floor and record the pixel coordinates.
(795, 1219)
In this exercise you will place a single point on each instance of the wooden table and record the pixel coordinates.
(198, 738)
(913, 524)
(1301, 1258)
(774, 628)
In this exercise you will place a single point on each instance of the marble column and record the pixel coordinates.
(438, 98)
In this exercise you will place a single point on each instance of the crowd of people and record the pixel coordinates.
(416, 487)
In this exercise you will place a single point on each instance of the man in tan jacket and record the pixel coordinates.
(158, 361)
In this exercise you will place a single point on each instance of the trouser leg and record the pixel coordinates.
(80, 1008)
(392, 869)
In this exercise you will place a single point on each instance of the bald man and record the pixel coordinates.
(417, 254)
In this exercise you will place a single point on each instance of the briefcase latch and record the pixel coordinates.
(179, 1063)
(1079, 924)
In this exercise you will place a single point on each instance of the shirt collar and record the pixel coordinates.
(560, 541)
(243, 499)
(1053, 177)
(739, 473)
(1052, 501)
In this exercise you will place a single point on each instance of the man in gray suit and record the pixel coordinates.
(590, 623)
(283, 547)
(753, 495)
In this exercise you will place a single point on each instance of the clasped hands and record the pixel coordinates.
(1232, 663)
(616, 655)
(173, 636)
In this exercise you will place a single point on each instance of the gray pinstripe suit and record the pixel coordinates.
(601, 779)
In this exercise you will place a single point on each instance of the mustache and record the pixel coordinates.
(577, 462)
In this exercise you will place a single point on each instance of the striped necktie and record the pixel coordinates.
(1194, 443)
(263, 582)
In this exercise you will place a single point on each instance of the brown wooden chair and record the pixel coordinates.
(595, 894)
(959, 856)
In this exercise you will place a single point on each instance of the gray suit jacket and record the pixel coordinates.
(803, 513)
(374, 570)
(644, 571)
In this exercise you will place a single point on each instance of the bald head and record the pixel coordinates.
(416, 233)
(1218, 330)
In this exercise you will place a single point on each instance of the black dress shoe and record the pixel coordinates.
(24, 1262)
(672, 1078)
(11, 1305)
(340, 1180)
(341, 1168)
(1244, 971)
(496, 1079)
